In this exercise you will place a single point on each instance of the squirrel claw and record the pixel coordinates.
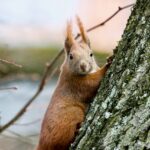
(109, 60)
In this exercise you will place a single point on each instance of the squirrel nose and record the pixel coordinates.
(83, 67)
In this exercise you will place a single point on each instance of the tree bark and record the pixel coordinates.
(119, 117)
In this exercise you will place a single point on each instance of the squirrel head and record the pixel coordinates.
(79, 56)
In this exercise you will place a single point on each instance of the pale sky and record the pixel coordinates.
(42, 22)
(36, 12)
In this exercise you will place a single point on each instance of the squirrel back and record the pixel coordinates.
(77, 85)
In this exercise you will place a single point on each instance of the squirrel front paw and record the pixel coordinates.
(77, 128)
(109, 60)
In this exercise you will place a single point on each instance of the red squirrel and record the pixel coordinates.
(78, 83)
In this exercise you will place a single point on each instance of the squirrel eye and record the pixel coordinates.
(70, 56)
(91, 54)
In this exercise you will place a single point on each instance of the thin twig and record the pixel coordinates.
(20, 137)
(109, 18)
(15, 133)
(49, 67)
(8, 88)
(28, 123)
(17, 138)
(24, 108)
(10, 62)
(33, 135)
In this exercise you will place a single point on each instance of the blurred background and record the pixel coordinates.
(32, 32)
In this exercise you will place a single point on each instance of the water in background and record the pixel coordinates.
(28, 127)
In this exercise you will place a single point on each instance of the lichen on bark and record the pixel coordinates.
(119, 117)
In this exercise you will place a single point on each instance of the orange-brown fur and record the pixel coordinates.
(67, 109)
(68, 106)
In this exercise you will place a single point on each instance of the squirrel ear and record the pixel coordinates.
(69, 41)
(82, 31)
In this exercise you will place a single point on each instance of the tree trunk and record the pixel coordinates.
(119, 117)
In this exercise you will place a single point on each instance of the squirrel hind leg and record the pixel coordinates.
(62, 138)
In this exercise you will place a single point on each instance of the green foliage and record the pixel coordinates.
(33, 60)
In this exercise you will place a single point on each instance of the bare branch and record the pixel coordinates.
(28, 123)
(15, 134)
(49, 67)
(18, 136)
(109, 18)
(24, 108)
(33, 135)
(8, 88)
(10, 62)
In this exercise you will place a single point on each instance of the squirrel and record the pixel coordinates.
(78, 83)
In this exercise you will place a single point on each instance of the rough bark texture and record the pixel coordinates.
(119, 117)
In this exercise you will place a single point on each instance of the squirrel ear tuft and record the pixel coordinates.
(82, 31)
(69, 41)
